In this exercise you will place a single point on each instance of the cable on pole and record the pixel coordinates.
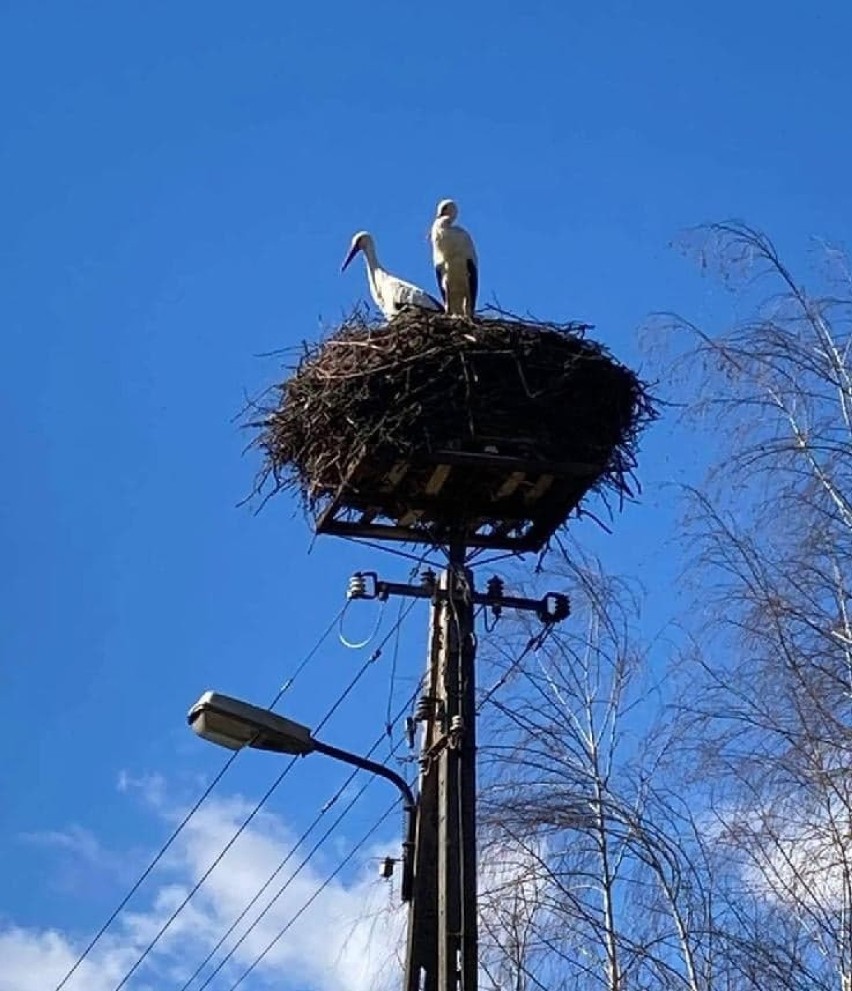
(216, 861)
(377, 653)
(286, 685)
(535, 642)
(421, 559)
(144, 875)
(392, 680)
(358, 645)
(341, 698)
(250, 905)
(305, 834)
(302, 864)
(307, 904)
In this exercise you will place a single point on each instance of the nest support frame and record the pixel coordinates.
(486, 500)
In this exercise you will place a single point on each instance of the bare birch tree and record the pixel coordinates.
(712, 849)
(615, 886)
(766, 704)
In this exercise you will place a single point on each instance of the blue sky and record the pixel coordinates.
(180, 183)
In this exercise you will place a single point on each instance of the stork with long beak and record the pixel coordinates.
(389, 293)
(455, 261)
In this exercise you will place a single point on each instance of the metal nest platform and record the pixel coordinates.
(483, 500)
(432, 429)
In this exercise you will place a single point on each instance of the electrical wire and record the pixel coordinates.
(305, 834)
(259, 894)
(288, 682)
(393, 550)
(377, 653)
(490, 627)
(535, 642)
(491, 560)
(143, 876)
(303, 863)
(307, 904)
(182, 824)
(341, 698)
(360, 644)
(392, 681)
(459, 577)
(462, 873)
(216, 861)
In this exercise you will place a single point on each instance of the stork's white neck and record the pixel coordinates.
(370, 257)
(374, 269)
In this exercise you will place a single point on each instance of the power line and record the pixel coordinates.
(303, 863)
(535, 642)
(377, 653)
(307, 904)
(142, 877)
(288, 682)
(182, 824)
(492, 560)
(305, 834)
(392, 681)
(339, 701)
(180, 827)
(216, 861)
(266, 885)
(391, 684)
(419, 559)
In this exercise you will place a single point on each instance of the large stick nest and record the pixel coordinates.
(426, 382)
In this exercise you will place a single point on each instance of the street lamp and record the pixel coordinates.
(232, 723)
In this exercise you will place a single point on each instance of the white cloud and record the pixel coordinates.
(793, 851)
(349, 939)
(152, 787)
(85, 863)
(39, 960)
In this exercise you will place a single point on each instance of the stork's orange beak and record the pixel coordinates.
(352, 252)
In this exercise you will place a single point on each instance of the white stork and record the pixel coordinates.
(389, 293)
(455, 261)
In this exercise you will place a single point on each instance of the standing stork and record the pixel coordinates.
(455, 261)
(389, 293)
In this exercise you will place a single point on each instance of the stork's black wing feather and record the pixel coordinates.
(439, 275)
(473, 281)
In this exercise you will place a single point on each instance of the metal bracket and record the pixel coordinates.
(550, 608)
(427, 756)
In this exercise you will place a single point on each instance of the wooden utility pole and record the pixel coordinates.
(442, 945)
(440, 874)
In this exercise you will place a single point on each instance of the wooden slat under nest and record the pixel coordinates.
(431, 426)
